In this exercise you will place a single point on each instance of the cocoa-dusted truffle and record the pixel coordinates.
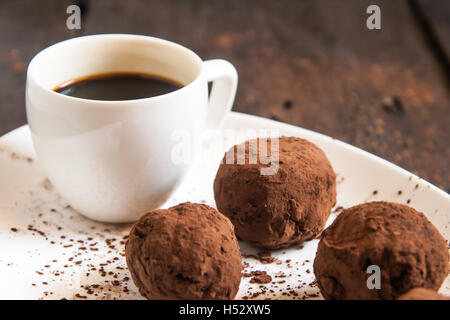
(188, 251)
(277, 210)
(407, 248)
(422, 294)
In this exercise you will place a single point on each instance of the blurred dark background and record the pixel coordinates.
(309, 63)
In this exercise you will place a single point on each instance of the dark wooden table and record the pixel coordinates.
(310, 63)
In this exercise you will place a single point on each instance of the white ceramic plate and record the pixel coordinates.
(49, 251)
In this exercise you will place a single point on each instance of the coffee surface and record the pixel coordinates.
(118, 86)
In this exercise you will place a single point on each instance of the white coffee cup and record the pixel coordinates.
(111, 160)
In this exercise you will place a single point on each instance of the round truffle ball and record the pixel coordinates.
(422, 294)
(408, 250)
(188, 251)
(280, 207)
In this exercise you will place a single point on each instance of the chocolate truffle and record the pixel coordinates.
(422, 294)
(188, 251)
(288, 206)
(409, 251)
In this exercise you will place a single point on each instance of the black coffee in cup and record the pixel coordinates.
(118, 86)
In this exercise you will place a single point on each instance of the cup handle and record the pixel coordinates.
(224, 79)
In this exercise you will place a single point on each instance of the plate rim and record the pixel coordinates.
(347, 146)
(239, 116)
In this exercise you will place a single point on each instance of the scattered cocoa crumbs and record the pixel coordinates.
(44, 223)
(254, 295)
(31, 228)
(313, 283)
(280, 275)
(263, 257)
(260, 277)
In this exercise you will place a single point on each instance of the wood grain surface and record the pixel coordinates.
(309, 63)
